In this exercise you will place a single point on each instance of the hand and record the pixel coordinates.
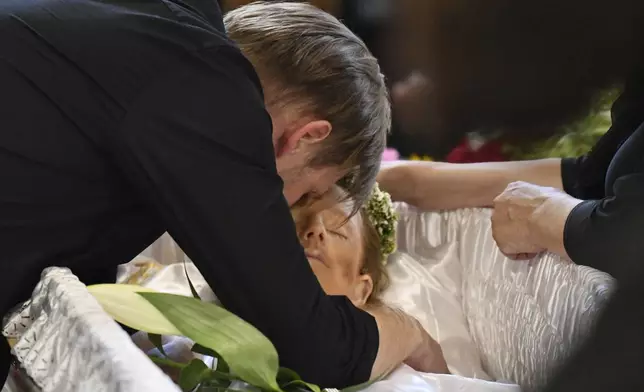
(428, 357)
(514, 225)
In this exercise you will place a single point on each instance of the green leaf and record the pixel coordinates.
(192, 375)
(248, 353)
(167, 362)
(158, 342)
(122, 302)
(215, 380)
(254, 357)
(300, 383)
(216, 388)
(288, 378)
(222, 366)
(192, 288)
(286, 375)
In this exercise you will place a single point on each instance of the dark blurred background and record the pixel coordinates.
(412, 137)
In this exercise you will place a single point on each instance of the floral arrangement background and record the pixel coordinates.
(575, 140)
(571, 141)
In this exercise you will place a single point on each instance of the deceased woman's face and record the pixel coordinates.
(334, 246)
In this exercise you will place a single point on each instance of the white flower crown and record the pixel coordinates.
(383, 217)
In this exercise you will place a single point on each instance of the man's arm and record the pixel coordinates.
(427, 356)
(436, 185)
(606, 234)
(198, 147)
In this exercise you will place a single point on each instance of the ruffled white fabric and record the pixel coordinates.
(67, 343)
(405, 379)
(426, 283)
(522, 317)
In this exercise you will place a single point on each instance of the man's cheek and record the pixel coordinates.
(292, 194)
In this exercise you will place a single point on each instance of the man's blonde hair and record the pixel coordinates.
(308, 60)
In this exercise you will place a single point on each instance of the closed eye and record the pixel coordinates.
(337, 234)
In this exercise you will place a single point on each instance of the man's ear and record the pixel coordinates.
(362, 290)
(310, 133)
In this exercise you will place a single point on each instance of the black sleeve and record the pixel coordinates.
(198, 146)
(585, 177)
(606, 234)
(570, 168)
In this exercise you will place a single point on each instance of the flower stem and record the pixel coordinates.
(212, 374)
(168, 362)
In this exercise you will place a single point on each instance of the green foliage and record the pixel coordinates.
(248, 353)
(126, 306)
(222, 366)
(158, 342)
(573, 140)
(242, 352)
(193, 374)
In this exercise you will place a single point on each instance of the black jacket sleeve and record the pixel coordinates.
(570, 171)
(606, 234)
(603, 231)
(585, 177)
(198, 146)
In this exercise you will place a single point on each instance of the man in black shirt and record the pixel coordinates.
(120, 120)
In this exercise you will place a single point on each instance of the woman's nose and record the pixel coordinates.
(316, 232)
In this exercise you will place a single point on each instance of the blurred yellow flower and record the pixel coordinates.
(416, 157)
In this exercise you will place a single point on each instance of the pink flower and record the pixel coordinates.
(390, 154)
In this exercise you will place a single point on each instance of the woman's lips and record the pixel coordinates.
(315, 256)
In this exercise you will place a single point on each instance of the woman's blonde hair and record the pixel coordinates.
(373, 263)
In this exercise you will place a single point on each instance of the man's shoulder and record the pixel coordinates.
(186, 16)
(117, 46)
(124, 28)
(207, 11)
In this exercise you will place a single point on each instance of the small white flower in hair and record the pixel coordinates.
(383, 217)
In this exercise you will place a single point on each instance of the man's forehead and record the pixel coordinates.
(335, 197)
(335, 200)
(327, 179)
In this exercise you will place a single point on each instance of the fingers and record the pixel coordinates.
(509, 238)
(510, 217)
(520, 256)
